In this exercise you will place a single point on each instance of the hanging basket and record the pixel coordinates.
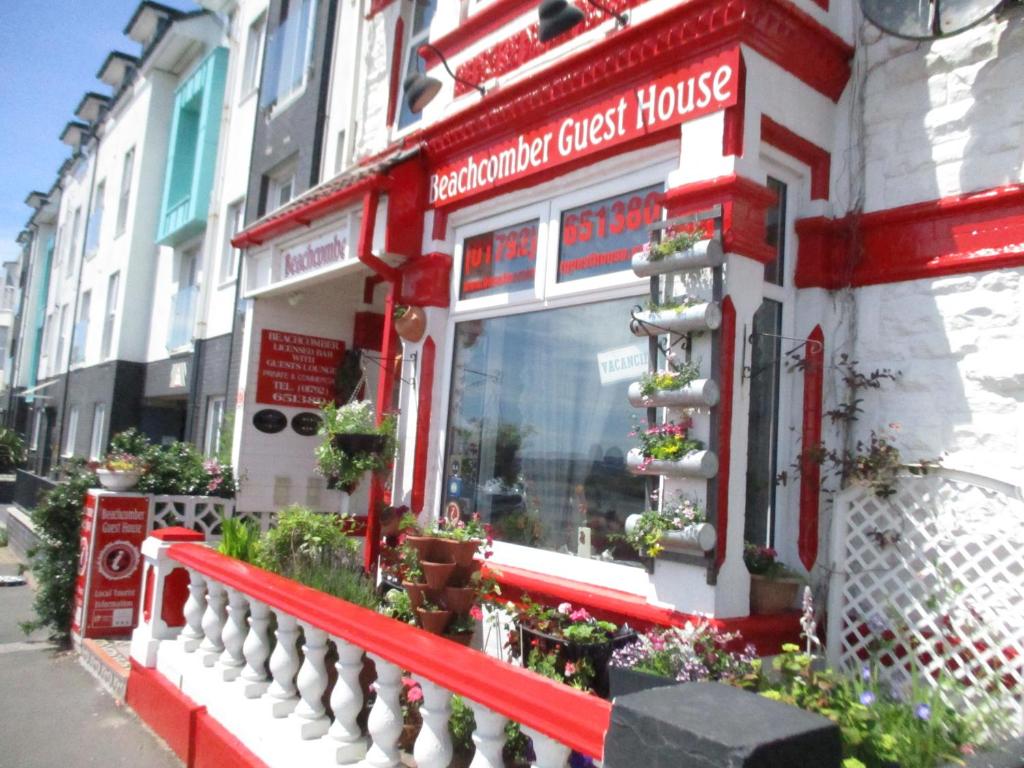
(696, 464)
(412, 325)
(699, 317)
(700, 393)
(356, 442)
(706, 253)
(696, 538)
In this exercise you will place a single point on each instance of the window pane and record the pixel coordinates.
(499, 261)
(764, 421)
(538, 430)
(598, 238)
(775, 233)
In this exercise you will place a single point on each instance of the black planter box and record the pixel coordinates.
(622, 681)
(598, 654)
(360, 443)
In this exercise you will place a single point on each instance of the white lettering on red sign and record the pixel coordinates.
(696, 90)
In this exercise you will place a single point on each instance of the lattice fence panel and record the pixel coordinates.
(932, 579)
(200, 513)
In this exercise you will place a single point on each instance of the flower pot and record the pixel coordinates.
(622, 680)
(412, 325)
(699, 317)
(359, 442)
(598, 654)
(434, 622)
(437, 574)
(425, 546)
(695, 464)
(706, 253)
(700, 393)
(415, 592)
(698, 537)
(334, 484)
(459, 599)
(773, 595)
(118, 479)
(459, 552)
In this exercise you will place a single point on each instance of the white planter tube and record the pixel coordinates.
(699, 393)
(698, 537)
(696, 464)
(706, 253)
(699, 317)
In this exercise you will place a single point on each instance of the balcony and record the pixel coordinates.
(183, 316)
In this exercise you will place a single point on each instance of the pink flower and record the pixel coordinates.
(580, 614)
(476, 613)
(570, 669)
(414, 694)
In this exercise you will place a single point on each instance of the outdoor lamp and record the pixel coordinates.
(558, 16)
(420, 89)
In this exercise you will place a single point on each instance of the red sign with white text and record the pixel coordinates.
(685, 94)
(499, 261)
(297, 371)
(109, 584)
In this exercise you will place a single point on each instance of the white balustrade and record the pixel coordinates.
(284, 663)
(312, 684)
(548, 752)
(213, 622)
(256, 650)
(233, 635)
(192, 633)
(489, 737)
(433, 748)
(385, 721)
(347, 703)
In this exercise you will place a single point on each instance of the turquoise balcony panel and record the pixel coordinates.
(192, 152)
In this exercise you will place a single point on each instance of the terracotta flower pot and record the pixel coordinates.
(460, 552)
(772, 595)
(434, 621)
(437, 574)
(459, 599)
(425, 546)
(412, 325)
(415, 592)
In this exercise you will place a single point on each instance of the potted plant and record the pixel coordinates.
(120, 471)
(412, 575)
(353, 443)
(667, 449)
(676, 316)
(460, 539)
(433, 618)
(410, 322)
(679, 250)
(679, 526)
(773, 587)
(678, 387)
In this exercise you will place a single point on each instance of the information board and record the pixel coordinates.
(296, 370)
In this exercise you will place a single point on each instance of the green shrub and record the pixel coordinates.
(240, 539)
(12, 449)
(176, 469)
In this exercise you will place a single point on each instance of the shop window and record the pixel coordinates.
(126, 191)
(538, 427)
(72, 433)
(99, 431)
(110, 315)
(253, 56)
(419, 33)
(289, 50)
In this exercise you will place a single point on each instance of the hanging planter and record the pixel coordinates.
(410, 323)
(700, 393)
(360, 442)
(651, 261)
(694, 464)
(353, 443)
(706, 316)
(693, 538)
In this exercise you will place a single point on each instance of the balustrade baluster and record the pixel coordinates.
(549, 753)
(433, 748)
(192, 633)
(284, 663)
(233, 636)
(312, 683)
(347, 703)
(256, 649)
(385, 721)
(213, 622)
(489, 737)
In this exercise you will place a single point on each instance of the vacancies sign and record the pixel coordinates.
(685, 94)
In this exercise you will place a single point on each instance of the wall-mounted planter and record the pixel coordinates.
(706, 253)
(412, 325)
(697, 464)
(696, 538)
(699, 317)
(699, 393)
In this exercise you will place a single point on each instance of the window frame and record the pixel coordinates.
(78, 354)
(71, 436)
(414, 40)
(212, 436)
(97, 441)
(252, 61)
(234, 222)
(281, 101)
(124, 195)
(110, 315)
(94, 223)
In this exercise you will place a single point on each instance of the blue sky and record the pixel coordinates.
(49, 55)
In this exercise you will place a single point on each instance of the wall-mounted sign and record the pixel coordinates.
(296, 370)
(306, 423)
(624, 363)
(314, 254)
(685, 94)
(270, 421)
(499, 261)
(601, 237)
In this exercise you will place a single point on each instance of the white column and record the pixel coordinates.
(347, 703)
(256, 649)
(385, 721)
(549, 753)
(489, 737)
(312, 683)
(192, 633)
(233, 635)
(284, 663)
(433, 747)
(213, 622)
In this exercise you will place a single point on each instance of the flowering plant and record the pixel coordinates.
(462, 530)
(761, 561)
(565, 622)
(666, 442)
(679, 376)
(673, 240)
(123, 462)
(347, 466)
(652, 524)
(579, 673)
(689, 654)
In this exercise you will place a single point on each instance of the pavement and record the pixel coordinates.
(53, 713)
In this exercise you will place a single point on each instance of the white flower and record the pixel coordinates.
(564, 608)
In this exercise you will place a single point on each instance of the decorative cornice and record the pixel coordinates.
(808, 153)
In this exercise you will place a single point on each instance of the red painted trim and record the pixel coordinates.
(440, 224)
(172, 606)
(727, 368)
(426, 281)
(364, 250)
(369, 286)
(396, 70)
(216, 747)
(476, 27)
(744, 205)
(176, 533)
(426, 387)
(165, 709)
(810, 470)
(808, 153)
(403, 234)
(975, 232)
(572, 717)
(385, 390)
(147, 597)
(823, 4)
(376, 6)
(732, 134)
(368, 331)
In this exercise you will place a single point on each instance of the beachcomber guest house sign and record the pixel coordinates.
(685, 94)
(313, 255)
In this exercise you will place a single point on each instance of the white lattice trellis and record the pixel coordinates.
(200, 513)
(932, 578)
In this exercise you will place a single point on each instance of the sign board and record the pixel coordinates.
(624, 363)
(697, 89)
(314, 255)
(295, 370)
(108, 588)
(269, 421)
(499, 261)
